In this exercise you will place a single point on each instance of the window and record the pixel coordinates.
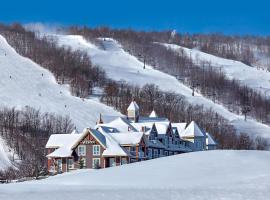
(123, 161)
(70, 163)
(81, 150)
(96, 163)
(112, 162)
(96, 150)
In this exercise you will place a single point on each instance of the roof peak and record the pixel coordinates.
(153, 114)
(133, 106)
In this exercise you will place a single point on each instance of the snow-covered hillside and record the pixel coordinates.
(5, 155)
(119, 65)
(253, 77)
(23, 82)
(207, 175)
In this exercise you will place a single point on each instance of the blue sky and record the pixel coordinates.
(229, 17)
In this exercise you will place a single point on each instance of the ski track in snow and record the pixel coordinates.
(22, 84)
(253, 77)
(119, 65)
(207, 175)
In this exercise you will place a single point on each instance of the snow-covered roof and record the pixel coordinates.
(180, 127)
(64, 143)
(153, 114)
(122, 125)
(112, 147)
(155, 143)
(127, 138)
(108, 118)
(62, 152)
(152, 119)
(101, 128)
(210, 140)
(61, 140)
(133, 106)
(193, 130)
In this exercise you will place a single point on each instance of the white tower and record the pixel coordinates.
(133, 111)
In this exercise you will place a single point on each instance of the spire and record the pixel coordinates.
(133, 111)
(153, 114)
(133, 106)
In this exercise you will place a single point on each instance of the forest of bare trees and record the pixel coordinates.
(26, 133)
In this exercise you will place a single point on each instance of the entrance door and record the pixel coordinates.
(112, 162)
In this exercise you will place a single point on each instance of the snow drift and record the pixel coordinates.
(199, 175)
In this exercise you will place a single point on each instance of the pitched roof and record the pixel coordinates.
(99, 136)
(133, 106)
(127, 138)
(112, 147)
(121, 124)
(153, 114)
(180, 127)
(60, 140)
(210, 140)
(193, 130)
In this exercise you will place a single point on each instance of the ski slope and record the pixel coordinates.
(25, 83)
(253, 77)
(208, 175)
(119, 65)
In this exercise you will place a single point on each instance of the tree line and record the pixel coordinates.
(26, 133)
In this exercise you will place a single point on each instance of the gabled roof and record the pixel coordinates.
(193, 130)
(99, 136)
(128, 138)
(64, 143)
(106, 129)
(162, 127)
(210, 140)
(108, 118)
(180, 127)
(122, 125)
(153, 114)
(133, 106)
(112, 147)
(60, 140)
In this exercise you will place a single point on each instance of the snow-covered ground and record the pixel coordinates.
(253, 77)
(24, 83)
(5, 155)
(119, 65)
(235, 175)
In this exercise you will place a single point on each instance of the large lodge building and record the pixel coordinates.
(121, 140)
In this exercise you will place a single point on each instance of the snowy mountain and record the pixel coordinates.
(121, 66)
(202, 175)
(24, 83)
